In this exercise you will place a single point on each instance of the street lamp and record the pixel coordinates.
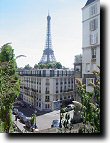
(35, 117)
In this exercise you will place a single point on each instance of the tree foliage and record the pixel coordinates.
(9, 85)
(54, 65)
(27, 67)
(90, 105)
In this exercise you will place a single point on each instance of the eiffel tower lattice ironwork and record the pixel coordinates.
(48, 53)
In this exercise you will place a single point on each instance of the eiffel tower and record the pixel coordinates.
(48, 53)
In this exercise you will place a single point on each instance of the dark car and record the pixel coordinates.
(28, 123)
(19, 115)
(24, 119)
(15, 111)
(55, 124)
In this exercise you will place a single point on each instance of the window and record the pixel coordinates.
(57, 73)
(51, 73)
(93, 38)
(47, 106)
(87, 67)
(93, 50)
(94, 67)
(56, 81)
(47, 98)
(44, 73)
(65, 89)
(47, 90)
(62, 73)
(39, 104)
(65, 81)
(47, 82)
(64, 97)
(89, 81)
(76, 81)
(68, 97)
(77, 68)
(93, 24)
(61, 82)
(68, 81)
(56, 97)
(93, 10)
(39, 91)
(61, 89)
(71, 81)
(36, 103)
(56, 89)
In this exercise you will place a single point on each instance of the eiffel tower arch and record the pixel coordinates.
(48, 53)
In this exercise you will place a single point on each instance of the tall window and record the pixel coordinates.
(47, 98)
(56, 89)
(87, 67)
(93, 67)
(47, 82)
(89, 81)
(44, 73)
(47, 90)
(94, 24)
(93, 38)
(56, 81)
(93, 10)
(57, 73)
(47, 106)
(93, 50)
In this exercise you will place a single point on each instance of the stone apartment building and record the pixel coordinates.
(90, 41)
(45, 88)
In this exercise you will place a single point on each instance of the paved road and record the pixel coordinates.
(43, 121)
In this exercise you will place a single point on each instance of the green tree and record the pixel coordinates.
(36, 66)
(58, 65)
(90, 105)
(55, 65)
(27, 67)
(9, 85)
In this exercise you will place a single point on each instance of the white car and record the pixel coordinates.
(69, 107)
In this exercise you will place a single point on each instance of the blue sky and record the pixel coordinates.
(24, 23)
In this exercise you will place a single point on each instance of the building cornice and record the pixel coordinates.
(98, 45)
(91, 18)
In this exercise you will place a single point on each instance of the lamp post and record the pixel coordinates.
(35, 117)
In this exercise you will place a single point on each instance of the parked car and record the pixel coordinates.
(19, 115)
(24, 119)
(28, 123)
(15, 111)
(55, 124)
(69, 107)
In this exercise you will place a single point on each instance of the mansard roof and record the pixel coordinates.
(89, 2)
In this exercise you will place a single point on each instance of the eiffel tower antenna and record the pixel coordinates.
(48, 53)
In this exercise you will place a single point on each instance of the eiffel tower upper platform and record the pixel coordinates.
(48, 53)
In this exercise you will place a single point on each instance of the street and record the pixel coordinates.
(43, 121)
